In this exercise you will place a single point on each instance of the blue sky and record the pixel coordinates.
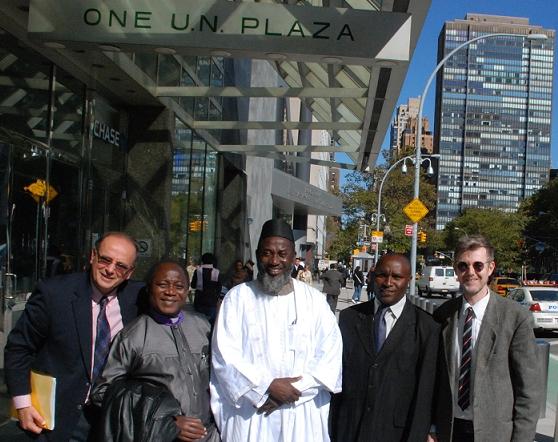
(539, 12)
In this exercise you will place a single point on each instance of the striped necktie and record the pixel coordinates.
(464, 392)
(102, 341)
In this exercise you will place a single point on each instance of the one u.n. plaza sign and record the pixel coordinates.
(244, 29)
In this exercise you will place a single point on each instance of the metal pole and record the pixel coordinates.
(419, 135)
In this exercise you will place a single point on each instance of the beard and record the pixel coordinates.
(272, 284)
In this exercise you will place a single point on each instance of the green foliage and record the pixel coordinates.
(541, 229)
(359, 196)
(504, 230)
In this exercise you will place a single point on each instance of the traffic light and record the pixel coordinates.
(422, 237)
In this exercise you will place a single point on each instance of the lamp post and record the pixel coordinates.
(419, 131)
(378, 213)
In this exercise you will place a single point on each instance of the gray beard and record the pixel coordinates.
(273, 284)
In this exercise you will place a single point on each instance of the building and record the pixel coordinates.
(493, 114)
(409, 136)
(403, 114)
(186, 123)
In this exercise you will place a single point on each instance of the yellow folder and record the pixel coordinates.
(43, 397)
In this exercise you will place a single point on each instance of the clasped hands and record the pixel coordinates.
(281, 391)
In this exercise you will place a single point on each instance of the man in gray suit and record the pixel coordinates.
(489, 386)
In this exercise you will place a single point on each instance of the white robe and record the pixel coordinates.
(258, 338)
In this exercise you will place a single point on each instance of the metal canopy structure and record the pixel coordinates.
(353, 102)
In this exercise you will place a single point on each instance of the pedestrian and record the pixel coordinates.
(305, 275)
(167, 347)
(358, 280)
(333, 281)
(65, 332)
(389, 363)
(249, 266)
(370, 277)
(276, 352)
(297, 267)
(489, 384)
(190, 271)
(238, 275)
(207, 283)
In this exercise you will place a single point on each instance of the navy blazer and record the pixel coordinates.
(54, 336)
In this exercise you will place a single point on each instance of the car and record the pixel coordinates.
(542, 302)
(438, 279)
(501, 284)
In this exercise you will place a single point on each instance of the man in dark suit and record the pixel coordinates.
(65, 332)
(389, 361)
(488, 373)
(333, 280)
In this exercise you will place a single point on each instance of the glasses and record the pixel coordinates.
(478, 266)
(105, 261)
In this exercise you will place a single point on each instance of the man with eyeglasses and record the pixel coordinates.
(489, 384)
(65, 332)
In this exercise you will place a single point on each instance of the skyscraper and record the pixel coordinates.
(493, 114)
(403, 114)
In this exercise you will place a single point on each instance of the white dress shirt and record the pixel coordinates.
(393, 313)
(479, 309)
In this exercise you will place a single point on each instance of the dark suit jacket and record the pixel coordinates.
(507, 383)
(54, 336)
(386, 396)
(333, 280)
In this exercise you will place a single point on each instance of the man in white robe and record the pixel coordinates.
(277, 352)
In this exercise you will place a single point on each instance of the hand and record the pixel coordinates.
(268, 407)
(431, 438)
(191, 429)
(30, 419)
(282, 390)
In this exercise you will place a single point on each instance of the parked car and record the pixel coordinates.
(501, 284)
(542, 302)
(438, 279)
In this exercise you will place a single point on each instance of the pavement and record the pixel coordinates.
(545, 426)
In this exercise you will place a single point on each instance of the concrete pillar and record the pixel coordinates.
(149, 179)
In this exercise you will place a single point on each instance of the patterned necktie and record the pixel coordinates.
(102, 341)
(464, 392)
(380, 327)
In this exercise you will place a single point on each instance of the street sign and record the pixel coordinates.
(377, 236)
(408, 230)
(415, 210)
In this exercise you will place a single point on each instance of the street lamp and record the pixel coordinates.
(419, 132)
(378, 215)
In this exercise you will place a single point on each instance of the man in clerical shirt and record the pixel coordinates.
(276, 352)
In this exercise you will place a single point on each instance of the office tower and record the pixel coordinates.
(493, 114)
(403, 114)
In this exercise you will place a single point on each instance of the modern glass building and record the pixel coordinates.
(185, 123)
(493, 114)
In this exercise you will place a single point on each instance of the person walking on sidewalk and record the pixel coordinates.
(333, 280)
(358, 279)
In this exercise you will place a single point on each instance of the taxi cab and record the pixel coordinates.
(501, 284)
(542, 302)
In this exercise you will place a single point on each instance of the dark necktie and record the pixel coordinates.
(380, 327)
(464, 392)
(102, 341)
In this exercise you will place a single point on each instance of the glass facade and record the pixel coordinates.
(493, 117)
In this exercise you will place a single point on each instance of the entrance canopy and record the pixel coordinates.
(345, 60)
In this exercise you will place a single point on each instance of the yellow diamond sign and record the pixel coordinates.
(415, 210)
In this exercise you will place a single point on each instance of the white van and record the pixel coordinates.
(438, 279)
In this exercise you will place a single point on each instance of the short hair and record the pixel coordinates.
(474, 242)
(121, 235)
(208, 258)
(395, 255)
(332, 265)
(151, 272)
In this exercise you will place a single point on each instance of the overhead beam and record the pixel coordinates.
(276, 125)
(274, 92)
(245, 149)
(297, 159)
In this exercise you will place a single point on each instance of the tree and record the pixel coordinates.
(504, 231)
(541, 229)
(359, 196)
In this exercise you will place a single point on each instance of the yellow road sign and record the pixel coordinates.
(39, 189)
(415, 210)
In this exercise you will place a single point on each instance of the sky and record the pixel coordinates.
(539, 12)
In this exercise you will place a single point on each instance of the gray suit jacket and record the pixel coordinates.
(507, 383)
